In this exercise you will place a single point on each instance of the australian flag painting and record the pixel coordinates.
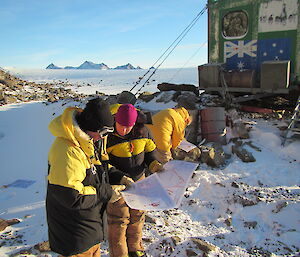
(278, 49)
(240, 55)
(249, 54)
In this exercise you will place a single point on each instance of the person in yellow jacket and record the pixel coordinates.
(168, 130)
(131, 151)
(77, 190)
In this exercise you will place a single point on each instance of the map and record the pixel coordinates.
(163, 190)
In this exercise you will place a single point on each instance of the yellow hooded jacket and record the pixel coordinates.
(75, 195)
(168, 128)
(114, 108)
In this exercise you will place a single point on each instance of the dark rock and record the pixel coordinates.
(280, 206)
(235, 185)
(213, 157)
(190, 253)
(244, 201)
(193, 155)
(192, 201)
(147, 240)
(176, 240)
(126, 97)
(250, 224)
(189, 101)
(149, 219)
(43, 246)
(220, 184)
(228, 222)
(22, 252)
(3, 224)
(177, 87)
(147, 97)
(243, 154)
(204, 246)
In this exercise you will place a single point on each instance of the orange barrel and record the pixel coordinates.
(213, 124)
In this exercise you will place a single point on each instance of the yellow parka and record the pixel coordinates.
(76, 194)
(168, 128)
(71, 154)
(114, 108)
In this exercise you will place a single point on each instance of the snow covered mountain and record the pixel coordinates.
(88, 65)
(70, 68)
(127, 66)
(53, 67)
(93, 66)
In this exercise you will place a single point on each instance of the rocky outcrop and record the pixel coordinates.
(177, 87)
(5, 223)
(15, 90)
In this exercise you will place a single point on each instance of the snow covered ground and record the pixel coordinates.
(109, 81)
(242, 209)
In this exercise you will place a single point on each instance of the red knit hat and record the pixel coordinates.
(126, 115)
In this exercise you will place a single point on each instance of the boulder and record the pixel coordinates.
(250, 224)
(6, 223)
(177, 87)
(212, 156)
(244, 200)
(204, 246)
(243, 154)
(188, 101)
(3, 224)
(192, 156)
(280, 206)
(126, 97)
(146, 96)
(43, 246)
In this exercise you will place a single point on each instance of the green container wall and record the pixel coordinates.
(218, 8)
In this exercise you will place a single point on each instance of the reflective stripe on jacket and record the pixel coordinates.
(131, 154)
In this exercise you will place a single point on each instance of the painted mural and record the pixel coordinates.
(245, 34)
(249, 54)
(235, 24)
(278, 15)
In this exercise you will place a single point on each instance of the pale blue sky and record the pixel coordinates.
(35, 33)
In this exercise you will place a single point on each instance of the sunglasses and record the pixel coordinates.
(105, 130)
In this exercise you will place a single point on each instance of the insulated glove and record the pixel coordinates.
(126, 181)
(156, 166)
(116, 193)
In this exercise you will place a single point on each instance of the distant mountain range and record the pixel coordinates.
(94, 66)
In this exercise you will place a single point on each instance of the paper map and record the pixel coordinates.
(186, 146)
(163, 190)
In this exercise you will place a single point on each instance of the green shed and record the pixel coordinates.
(253, 46)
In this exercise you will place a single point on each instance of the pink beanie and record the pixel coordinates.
(126, 115)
